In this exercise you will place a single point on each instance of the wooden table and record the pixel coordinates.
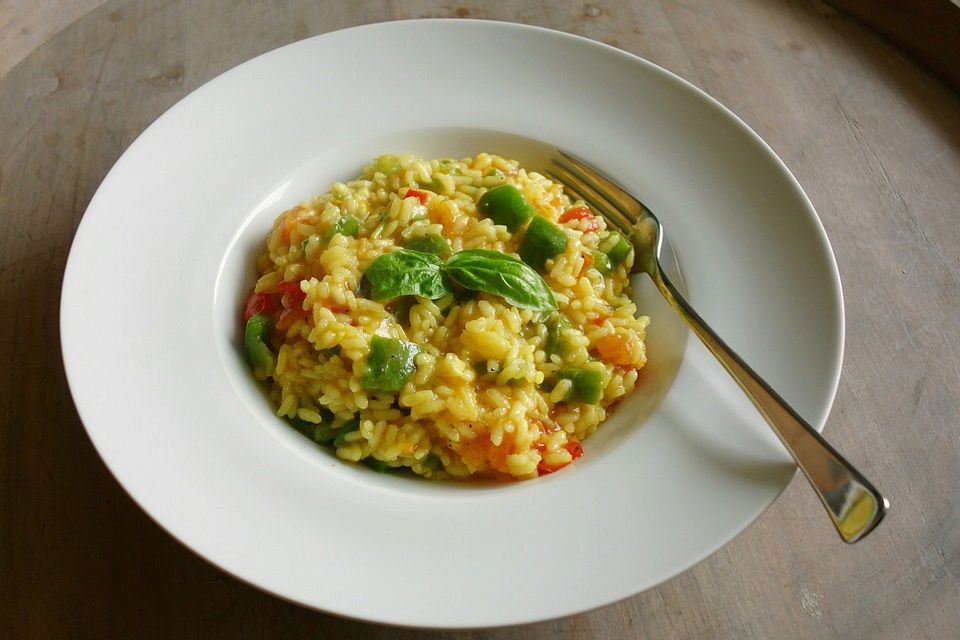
(874, 140)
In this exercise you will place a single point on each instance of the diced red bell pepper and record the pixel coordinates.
(295, 296)
(543, 468)
(573, 446)
(581, 213)
(260, 303)
(419, 195)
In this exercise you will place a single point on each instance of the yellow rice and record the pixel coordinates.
(446, 421)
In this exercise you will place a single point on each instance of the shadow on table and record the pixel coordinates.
(929, 96)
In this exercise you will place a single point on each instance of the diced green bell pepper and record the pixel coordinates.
(432, 462)
(386, 164)
(616, 247)
(556, 342)
(542, 241)
(434, 185)
(437, 245)
(587, 385)
(351, 425)
(505, 205)
(324, 432)
(601, 262)
(346, 225)
(379, 465)
(332, 351)
(255, 338)
(389, 365)
(303, 426)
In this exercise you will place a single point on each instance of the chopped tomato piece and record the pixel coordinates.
(615, 349)
(295, 296)
(599, 320)
(260, 303)
(581, 213)
(575, 448)
(587, 261)
(543, 468)
(419, 195)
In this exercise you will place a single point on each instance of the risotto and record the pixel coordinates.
(459, 318)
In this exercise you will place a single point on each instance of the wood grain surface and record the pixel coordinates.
(927, 30)
(26, 24)
(874, 140)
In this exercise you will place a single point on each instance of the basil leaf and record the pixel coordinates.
(501, 275)
(406, 273)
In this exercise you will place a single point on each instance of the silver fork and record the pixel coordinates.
(854, 504)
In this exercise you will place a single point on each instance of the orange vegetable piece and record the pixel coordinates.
(615, 349)
(587, 261)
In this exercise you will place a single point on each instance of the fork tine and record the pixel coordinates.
(628, 209)
(630, 206)
(581, 190)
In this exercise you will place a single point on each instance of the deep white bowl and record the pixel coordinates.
(164, 257)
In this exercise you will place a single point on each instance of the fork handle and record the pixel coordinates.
(854, 504)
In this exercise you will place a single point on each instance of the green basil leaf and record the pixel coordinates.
(406, 273)
(501, 275)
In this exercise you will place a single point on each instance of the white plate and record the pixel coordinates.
(163, 258)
